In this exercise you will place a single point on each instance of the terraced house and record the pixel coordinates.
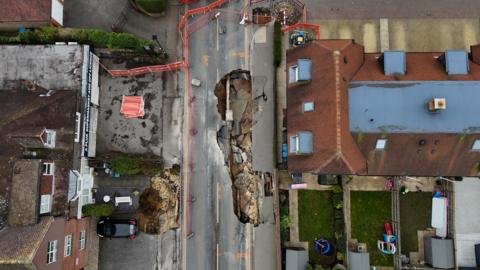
(390, 113)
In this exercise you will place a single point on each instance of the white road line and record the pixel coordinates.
(217, 35)
(218, 202)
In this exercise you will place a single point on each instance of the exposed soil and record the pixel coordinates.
(245, 187)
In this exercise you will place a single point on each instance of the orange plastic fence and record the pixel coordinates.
(147, 69)
(194, 11)
(315, 27)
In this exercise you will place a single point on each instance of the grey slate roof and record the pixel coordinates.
(305, 139)
(456, 62)
(400, 107)
(296, 259)
(358, 261)
(304, 69)
(439, 253)
(394, 62)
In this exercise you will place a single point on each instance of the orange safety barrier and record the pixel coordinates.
(194, 11)
(147, 69)
(315, 27)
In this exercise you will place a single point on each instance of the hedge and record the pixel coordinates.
(98, 210)
(277, 43)
(95, 37)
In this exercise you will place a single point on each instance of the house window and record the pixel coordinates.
(67, 251)
(50, 138)
(293, 74)
(45, 203)
(381, 143)
(82, 240)
(78, 117)
(52, 252)
(476, 145)
(294, 144)
(308, 106)
(48, 168)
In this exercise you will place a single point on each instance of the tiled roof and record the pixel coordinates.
(24, 198)
(25, 10)
(19, 244)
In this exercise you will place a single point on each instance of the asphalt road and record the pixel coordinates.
(374, 9)
(212, 218)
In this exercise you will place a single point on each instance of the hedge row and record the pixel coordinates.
(94, 37)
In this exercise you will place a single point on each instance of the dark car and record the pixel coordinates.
(117, 228)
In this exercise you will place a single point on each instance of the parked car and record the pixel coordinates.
(117, 228)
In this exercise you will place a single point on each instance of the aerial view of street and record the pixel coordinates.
(239, 134)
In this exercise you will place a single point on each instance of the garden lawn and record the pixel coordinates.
(368, 212)
(315, 218)
(415, 214)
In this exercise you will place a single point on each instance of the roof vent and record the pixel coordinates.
(394, 63)
(437, 104)
(455, 62)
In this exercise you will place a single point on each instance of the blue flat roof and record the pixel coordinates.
(400, 107)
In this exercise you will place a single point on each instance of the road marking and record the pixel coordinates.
(384, 35)
(205, 59)
(399, 41)
(217, 34)
(246, 48)
(218, 255)
(218, 201)
(218, 75)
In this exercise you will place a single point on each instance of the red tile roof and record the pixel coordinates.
(334, 61)
(25, 10)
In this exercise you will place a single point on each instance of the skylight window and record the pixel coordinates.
(381, 143)
(476, 145)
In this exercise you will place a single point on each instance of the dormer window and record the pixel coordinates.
(50, 136)
(476, 145)
(308, 106)
(301, 72)
(380, 145)
(301, 143)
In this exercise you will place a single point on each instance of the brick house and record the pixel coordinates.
(396, 113)
(52, 243)
(30, 14)
(49, 104)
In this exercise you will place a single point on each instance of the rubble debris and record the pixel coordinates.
(158, 210)
(245, 185)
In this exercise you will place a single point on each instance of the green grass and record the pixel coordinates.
(152, 6)
(315, 218)
(369, 211)
(415, 214)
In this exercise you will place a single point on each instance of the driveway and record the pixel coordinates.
(144, 252)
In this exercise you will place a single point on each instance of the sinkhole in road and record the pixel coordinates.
(236, 107)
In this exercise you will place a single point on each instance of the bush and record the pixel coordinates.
(98, 210)
(95, 37)
(152, 6)
(337, 189)
(135, 164)
(285, 222)
(277, 43)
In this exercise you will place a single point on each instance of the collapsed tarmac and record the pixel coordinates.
(158, 209)
(235, 105)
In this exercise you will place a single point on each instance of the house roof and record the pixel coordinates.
(356, 101)
(25, 10)
(394, 62)
(439, 253)
(19, 244)
(358, 260)
(334, 151)
(24, 197)
(400, 107)
(50, 67)
(296, 259)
